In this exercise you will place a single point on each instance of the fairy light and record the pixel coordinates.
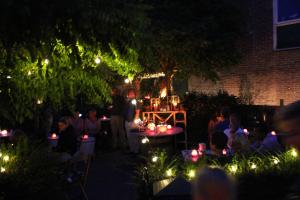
(126, 80)
(145, 140)
(29, 73)
(154, 159)
(6, 158)
(294, 153)
(39, 101)
(253, 166)
(133, 102)
(97, 60)
(275, 161)
(233, 168)
(2, 170)
(46, 61)
(169, 173)
(192, 173)
(8, 77)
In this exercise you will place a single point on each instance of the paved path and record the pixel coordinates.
(111, 177)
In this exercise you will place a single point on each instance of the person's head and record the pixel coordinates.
(218, 141)
(288, 121)
(213, 184)
(234, 121)
(92, 114)
(63, 124)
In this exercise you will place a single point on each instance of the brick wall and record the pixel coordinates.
(272, 75)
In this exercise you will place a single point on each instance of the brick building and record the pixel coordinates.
(269, 72)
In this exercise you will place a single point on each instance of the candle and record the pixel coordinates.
(85, 137)
(4, 132)
(194, 153)
(53, 136)
(104, 117)
(224, 152)
(162, 128)
(246, 131)
(273, 133)
(202, 147)
(169, 127)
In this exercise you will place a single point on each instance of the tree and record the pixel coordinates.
(194, 37)
(53, 51)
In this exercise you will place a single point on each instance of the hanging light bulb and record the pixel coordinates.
(97, 60)
(46, 61)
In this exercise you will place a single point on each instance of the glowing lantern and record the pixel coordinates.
(233, 168)
(169, 127)
(126, 80)
(2, 169)
(46, 61)
(104, 117)
(169, 173)
(163, 93)
(253, 166)
(162, 129)
(246, 131)
(145, 140)
(151, 126)
(294, 153)
(133, 102)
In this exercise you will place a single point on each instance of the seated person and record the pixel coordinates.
(218, 143)
(223, 120)
(67, 142)
(92, 124)
(237, 140)
(213, 184)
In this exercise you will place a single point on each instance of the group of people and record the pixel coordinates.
(214, 183)
(225, 132)
(70, 128)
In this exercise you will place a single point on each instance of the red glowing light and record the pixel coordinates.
(224, 152)
(53, 136)
(194, 152)
(85, 137)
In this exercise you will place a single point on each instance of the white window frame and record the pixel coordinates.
(278, 24)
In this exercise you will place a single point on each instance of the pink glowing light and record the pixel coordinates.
(194, 153)
(85, 137)
(224, 152)
(53, 136)
(273, 133)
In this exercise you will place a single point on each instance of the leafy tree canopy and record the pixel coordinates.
(194, 37)
(53, 51)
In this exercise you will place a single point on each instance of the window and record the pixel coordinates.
(286, 24)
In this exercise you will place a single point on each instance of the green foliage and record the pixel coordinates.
(28, 173)
(281, 164)
(48, 51)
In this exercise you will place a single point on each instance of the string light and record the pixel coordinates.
(154, 159)
(126, 80)
(233, 168)
(46, 61)
(253, 166)
(8, 77)
(6, 158)
(97, 60)
(169, 173)
(2, 169)
(145, 140)
(294, 153)
(192, 173)
(133, 102)
(39, 101)
(275, 161)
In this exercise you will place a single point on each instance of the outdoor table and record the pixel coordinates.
(169, 133)
(87, 146)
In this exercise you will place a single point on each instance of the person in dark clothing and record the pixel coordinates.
(117, 119)
(67, 142)
(223, 121)
(218, 143)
